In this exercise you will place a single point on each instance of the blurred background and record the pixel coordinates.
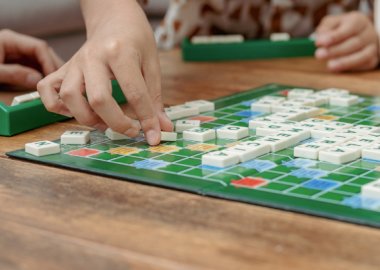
(59, 22)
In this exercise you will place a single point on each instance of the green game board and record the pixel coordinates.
(288, 180)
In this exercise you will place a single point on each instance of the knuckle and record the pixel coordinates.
(119, 127)
(147, 121)
(135, 96)
(51, 106)
(66, 93)
(96, 100)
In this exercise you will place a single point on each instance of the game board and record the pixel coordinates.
(249, 49)
(275, 180)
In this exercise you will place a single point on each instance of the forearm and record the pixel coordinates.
(96, 12)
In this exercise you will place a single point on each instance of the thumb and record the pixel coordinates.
(15, 74)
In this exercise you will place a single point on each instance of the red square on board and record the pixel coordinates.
(284, 92)
(248, 182)
(203, 118)
(84, 152)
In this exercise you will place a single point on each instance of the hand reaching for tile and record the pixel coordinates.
(120, 46)
(25, 60)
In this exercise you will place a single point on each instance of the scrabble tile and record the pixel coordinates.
(316, 121)
(323, 131)
(284, 116)
(186, 110)
(279, 37)
(260, 121)
(291, 138)
(203, 105)
(269, 129)
(309, 150)
(220, 159)
(245, 153)
(338, 155)
(285, 106)
(174, 113)
(200, 40)
(75, 137)
(21, 99)
(329, 143)
(365, 129)
(114, 136)
(301, 102)
(374, 136)
(339, 136)
(317, 100)
(309, 126)
(335, 91)
(264, 106)
(325, 96)
(309, 110)
(371, 190)
(273, 98)
(286, 123)
(168, 136)
(276, 143)
(182, 125)
(35, 95)
(199, 134)
(344, 100)
(42, 148)
(338, 125)
(371, 152)
(232, 132)
(299, 93)
(298, 114)
(302, 133)
(260, 148)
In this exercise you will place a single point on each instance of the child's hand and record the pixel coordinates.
(23, 58)
(120, 46)
(348, 42)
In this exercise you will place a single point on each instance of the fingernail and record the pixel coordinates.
(101, 127)
(152, 137)
(321, 53)
(334, 64)
(132, 132)
(32, 79)
(66, 113)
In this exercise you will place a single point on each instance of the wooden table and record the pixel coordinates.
(53, 218)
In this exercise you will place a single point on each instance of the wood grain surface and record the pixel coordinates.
(53, 218)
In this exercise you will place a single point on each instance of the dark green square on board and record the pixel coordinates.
(146, 154)
(304, 191)
(283, 169)
(190, 162)
(337, 177)
(358, 116)
(334, 196)
(351, 170)
(220, 142)
(216, 114)
(374, 174)
(240, 124)
(222, 122)
(127, 160)
(198, 172)
(368, 123)
(276, 186)
(105, 156)
(325, 166)
(349, 188)
(234, 117)
(348, 120)
(181, 143)
(365, 164)
(361, 181)
(292, 179)
(169, 158)
(186, 153)
(241, 107)
(230, 111)
(242, 171)
(174, 168)
(286, 152)
(267, 175)
(141, 145)
(225, 177)
(208, 125)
